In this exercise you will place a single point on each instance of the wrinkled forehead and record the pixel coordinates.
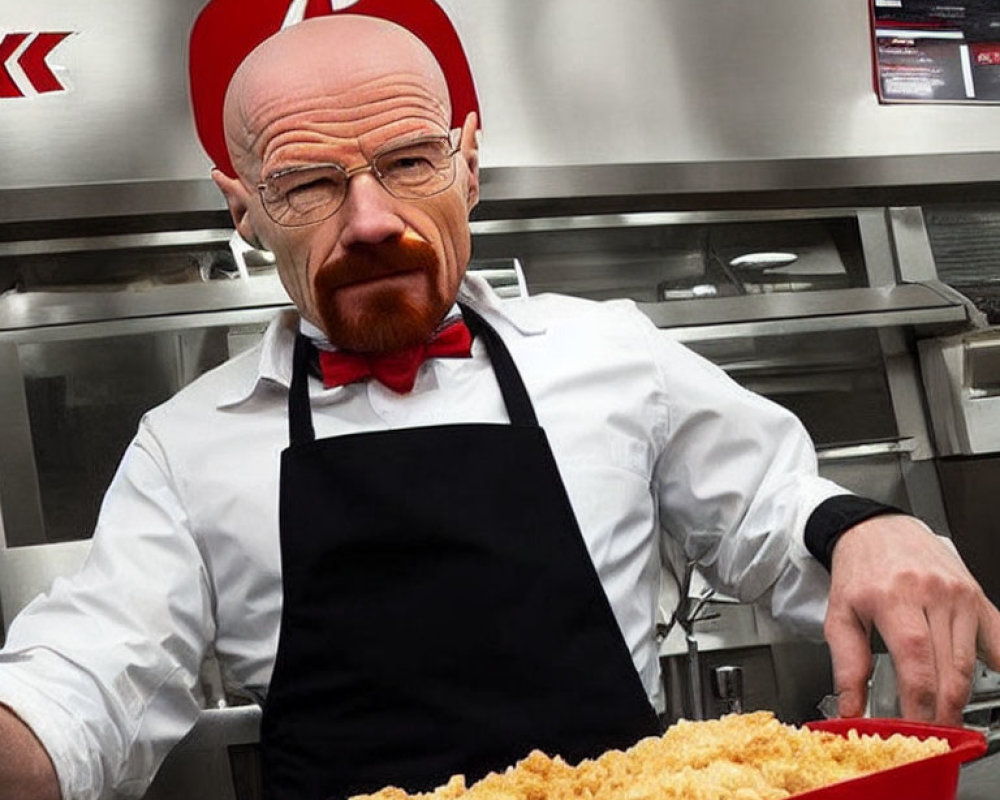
(346, 65)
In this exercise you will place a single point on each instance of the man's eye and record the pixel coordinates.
(312, 185)
(306, 191)
(408, 163)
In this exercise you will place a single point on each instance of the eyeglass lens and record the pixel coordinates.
(411, 171)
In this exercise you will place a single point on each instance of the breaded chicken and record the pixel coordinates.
(738, 757)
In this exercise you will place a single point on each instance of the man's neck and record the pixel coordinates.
(319, 338)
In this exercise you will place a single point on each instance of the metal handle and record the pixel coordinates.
(727, 683)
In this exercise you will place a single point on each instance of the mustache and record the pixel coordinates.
(369, 261)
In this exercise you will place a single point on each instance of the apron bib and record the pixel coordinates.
(441, 613)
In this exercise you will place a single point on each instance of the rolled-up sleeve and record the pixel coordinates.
(105, 667)
(736, 482)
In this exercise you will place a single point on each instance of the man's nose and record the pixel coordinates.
(368, 212)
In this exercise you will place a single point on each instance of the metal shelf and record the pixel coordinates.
(811, 312)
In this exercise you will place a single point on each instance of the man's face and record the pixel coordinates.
(381, 272)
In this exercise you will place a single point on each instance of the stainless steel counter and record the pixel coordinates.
(980, 780)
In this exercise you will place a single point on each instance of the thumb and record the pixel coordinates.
(851, 657)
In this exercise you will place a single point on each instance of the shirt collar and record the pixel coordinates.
(273, 365)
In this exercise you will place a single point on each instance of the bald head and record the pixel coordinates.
(352, 65)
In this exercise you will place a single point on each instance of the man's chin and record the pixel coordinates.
(381, 321)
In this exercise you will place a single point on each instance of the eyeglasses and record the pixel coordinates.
(411, 171)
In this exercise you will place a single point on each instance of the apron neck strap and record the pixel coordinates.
(515, 395)
(300, 426)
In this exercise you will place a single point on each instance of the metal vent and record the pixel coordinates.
(504, 275)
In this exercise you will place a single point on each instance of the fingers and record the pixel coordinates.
(851, 656)
(989, 635)
(932, 640)
(907, 635)
(911, 585)
(932, 648)
(953, 637)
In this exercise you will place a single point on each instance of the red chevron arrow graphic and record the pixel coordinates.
(8, 45)
(32, 61)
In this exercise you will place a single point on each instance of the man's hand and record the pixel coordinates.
(895, 574)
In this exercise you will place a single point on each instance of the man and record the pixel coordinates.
(461, 552)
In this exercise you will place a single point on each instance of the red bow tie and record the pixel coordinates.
(398, 369)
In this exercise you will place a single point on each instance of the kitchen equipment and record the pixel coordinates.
(205, 764)
(727, 683)
(981, 713)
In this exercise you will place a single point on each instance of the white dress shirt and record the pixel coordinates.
(653, 443)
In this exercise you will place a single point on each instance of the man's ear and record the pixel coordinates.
(238, 199)
(470, 153)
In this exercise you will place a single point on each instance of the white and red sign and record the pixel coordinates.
(226, 31)
(24, 67)
(985, 54)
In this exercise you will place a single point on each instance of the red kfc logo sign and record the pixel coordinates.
(227, 30)
(986, 54)
(24, 69)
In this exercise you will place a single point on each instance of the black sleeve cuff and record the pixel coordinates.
(835, 515)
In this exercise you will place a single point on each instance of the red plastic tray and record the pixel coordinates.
(934, 778)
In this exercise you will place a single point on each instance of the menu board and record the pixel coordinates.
(927, 51)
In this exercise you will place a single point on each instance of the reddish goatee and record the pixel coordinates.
(388, 318)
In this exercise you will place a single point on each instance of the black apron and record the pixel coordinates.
(441, 612)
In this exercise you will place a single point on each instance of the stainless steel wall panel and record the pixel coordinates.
(124, 114)
(569, 82)
(20, 498)
(20, 311)
(913, 247)
(903, 376)
(579, 97)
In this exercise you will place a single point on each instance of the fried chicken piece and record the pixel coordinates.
(738, 757)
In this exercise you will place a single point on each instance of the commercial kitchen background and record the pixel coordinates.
(726, 164)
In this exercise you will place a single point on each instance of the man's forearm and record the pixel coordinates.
(26, 772)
